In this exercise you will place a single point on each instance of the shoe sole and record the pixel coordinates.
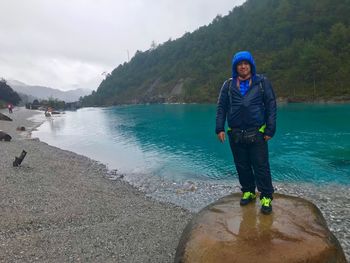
(251, 200)
(266, 212)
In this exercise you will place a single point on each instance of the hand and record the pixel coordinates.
(221, 136)
(266, 138)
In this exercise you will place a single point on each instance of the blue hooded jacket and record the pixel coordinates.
(256, 108)
(240, 56)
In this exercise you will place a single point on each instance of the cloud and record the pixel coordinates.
(62, 44)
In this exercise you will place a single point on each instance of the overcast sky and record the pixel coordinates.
(69, 44)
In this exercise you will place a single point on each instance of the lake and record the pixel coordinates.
(177, 141)
(171, 153)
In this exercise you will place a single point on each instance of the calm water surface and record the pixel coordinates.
(177, 142)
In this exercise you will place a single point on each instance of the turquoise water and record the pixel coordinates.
(177, 142)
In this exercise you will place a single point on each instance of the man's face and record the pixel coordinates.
(243, 69)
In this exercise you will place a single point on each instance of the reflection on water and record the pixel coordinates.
(178, 141)
(87, 132)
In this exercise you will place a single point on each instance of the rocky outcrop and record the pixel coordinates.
(5, 137)
(3, 117)
(226, 232)
(178, 89)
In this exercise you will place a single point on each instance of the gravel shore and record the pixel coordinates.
(61, 207)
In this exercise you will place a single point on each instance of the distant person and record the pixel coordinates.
(48, 112)
(247, 101)
(10, 107)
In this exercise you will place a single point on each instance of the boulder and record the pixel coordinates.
(224, 232)
(3, 117)
(5, 137)
(21, 128)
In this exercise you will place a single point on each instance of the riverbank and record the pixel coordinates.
(59, 206)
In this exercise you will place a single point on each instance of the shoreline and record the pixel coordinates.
(195, 195)
(59, 206)
(280, 101)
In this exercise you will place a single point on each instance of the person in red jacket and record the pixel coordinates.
(10, 107)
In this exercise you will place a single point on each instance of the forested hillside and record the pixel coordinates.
(7, 94)
(302, 46)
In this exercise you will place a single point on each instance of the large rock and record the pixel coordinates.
(226, 232)
(5, 137)
(3, 117)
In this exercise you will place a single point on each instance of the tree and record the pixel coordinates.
(153, 45)
(7, 94)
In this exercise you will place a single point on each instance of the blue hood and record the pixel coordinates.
(240, 56)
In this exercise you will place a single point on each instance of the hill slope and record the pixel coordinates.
(7, 94)
(302, 46)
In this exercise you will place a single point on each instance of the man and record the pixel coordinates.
(247, 102)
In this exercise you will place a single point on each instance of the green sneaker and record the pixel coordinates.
(266, 207)
(247, 197)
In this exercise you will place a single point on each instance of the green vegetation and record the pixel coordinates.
(302, 46)
(7, 95)
(53, 103)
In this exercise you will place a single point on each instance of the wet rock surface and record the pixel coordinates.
(226, 232)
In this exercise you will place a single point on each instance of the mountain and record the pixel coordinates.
(303, 47)
(41, 92)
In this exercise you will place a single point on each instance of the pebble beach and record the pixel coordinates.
(58, 206)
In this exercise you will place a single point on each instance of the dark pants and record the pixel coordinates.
(252, 164)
